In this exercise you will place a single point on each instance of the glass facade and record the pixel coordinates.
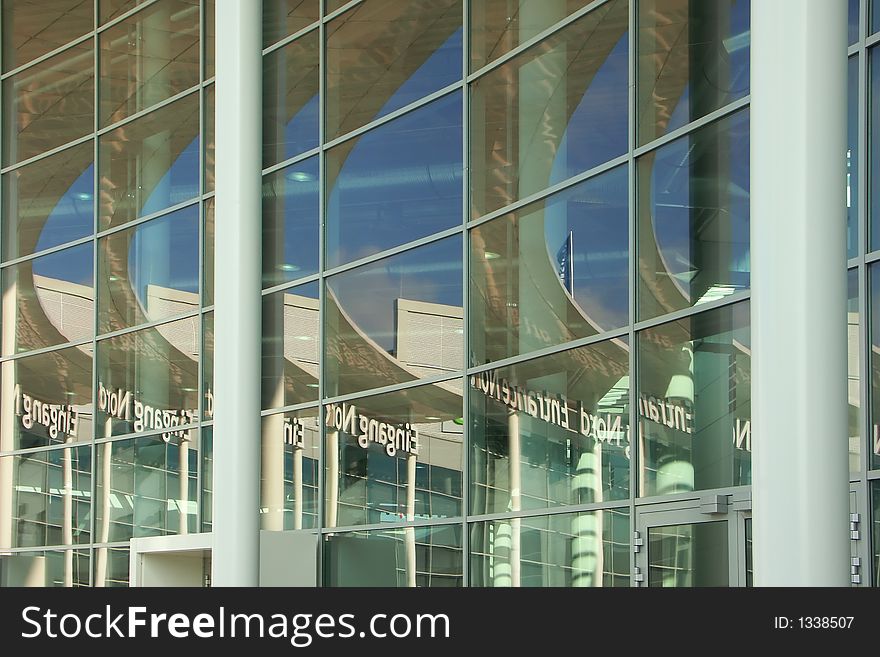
(107, 240)
(505, 287)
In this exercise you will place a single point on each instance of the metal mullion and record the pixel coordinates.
(123, 16)
(291, 408)
(872, 257)
(45, 350)
(862, 246)
(525, 45)
(395, 387)
(296, 159)
(49, 153)
(379, 526)
(45, 448)
(465, 291)
(148, 325)
(49, 55)
(548, 351)
(147, 433)
(96, 217)
(336, 12)
(54, 249)
(551, 511)
(685, 313)
(633, 270)
(397, 250)
(696, 124)
(322, 202)
(291, 284)
(200, 385)
(448, 90)
(651, 500)
(154, 215)
(278, 45)
(872, 40)
(594, 172)
(149, 110)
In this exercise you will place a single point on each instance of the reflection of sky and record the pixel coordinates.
(441, 69)
(595, 212)
(165, 252)
(301, 132)
(431, 273)
(597, 129)
(162, 256)
(293, 195)
(736, 45)
(400, 181)
(694, 181)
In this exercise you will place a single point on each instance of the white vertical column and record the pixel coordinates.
(235, 559)
(798, 258)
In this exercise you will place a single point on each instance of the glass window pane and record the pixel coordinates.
(551, 431)
(208, 366)
(852, 159)
(49, 497)
(289, 473)
(332, 5)
(110, 9)
(875, 365)
(290, 346)
(875, 543)
(404, 557)
(589, 549)
(875, 15)
(290, 223)
(853, 383)
(210, 38)
(395, 320)
(282, 18)
(499, 26)
(48, 300)
(149, 272)
(209, 133)
(693, 59)
(208, 255)
(396, 183)
(552, 271)
(146, 487)
(148, 57)
(695, 403)
(874, 146)
(528, 135)
(49, 568)
(49, 104)
(207, 465)
(385, 54)
(35, 27)
(290, 99)
(149, 164)
(49, 202)
(395, 457)
(853, 20)
(693, 218)
(111, 567)
(149, 380)
(688, 555)
(46, 399)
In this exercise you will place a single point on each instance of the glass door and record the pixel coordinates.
(698, 545)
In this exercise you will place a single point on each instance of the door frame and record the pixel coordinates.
(732, 507)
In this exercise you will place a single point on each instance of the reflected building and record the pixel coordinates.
(506, 332)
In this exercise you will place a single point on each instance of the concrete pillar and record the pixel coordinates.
(237, 311)
(798, 259)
